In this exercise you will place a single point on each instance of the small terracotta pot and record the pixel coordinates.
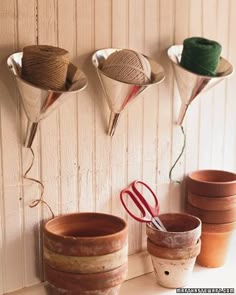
(85, 283)
(183, 230)
(173, 267)
(173, 253)
(212, 183)
(209, 216)
(215, 242)
(212, 203)
(85, 234)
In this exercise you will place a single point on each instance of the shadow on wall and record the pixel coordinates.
(94, 89)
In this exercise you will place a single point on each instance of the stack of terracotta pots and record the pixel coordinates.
(85, 253)
(211, 196)
(174, 252)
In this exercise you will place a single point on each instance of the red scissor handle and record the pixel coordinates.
(154, 211)
(144, 218)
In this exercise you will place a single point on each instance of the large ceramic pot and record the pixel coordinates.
(212, 183)
(86, 253)
(183, 230)
(215, 243)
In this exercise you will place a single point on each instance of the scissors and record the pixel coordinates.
(148, 212)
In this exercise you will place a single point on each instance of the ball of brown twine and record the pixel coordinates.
(45, 66)
(128, 66)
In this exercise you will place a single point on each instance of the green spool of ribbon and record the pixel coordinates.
(201, 56)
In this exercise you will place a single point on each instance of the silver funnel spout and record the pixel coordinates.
(119, 94)
(191, 85)
(38, 103)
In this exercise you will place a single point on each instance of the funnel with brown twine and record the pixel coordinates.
(124, 79)
(45, 77)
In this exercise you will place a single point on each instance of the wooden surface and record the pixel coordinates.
(81, 167)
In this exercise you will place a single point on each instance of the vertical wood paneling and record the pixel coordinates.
(219, 99)
(49, 128)
(181, 31)
(192, 117)
(119, 140)
(150, 102)
(206, 100)
(230, 126)
(13, 275)
(81, 167)
(68, 114)
(135, 119)
(85, 45)
(166, 23)
(26, 19)
(102, 141)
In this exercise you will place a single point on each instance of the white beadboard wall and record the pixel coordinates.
(81, 167)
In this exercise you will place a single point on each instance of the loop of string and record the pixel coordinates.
(40, 199)
(178, 158)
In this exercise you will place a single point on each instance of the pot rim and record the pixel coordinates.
(177, 232)
(193, 173)
(92, 238)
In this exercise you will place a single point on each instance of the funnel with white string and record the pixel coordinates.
(38, 103)
(119, 94)
(191, 85)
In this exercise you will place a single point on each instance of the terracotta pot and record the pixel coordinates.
(85, 234)
(212, 183)
(97, 283)
(209, 216)
(110, 291)
(173, 253)
(212, 203)
(86, 264)
(215, 243)
(183, 230)
(173, 267)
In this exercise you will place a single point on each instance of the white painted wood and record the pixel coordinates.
(181, 28)
(229, 140)
(12, 273)
(81, 167)
(68, 114)
(192, 117)
(102, 147)
(150, 102)
(135, 122)
(119, 140)
(86, 107)
(31, 218)
(206, 99)
(49, 137)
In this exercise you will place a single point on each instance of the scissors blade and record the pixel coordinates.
(158, 224)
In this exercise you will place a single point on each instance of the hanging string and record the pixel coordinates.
(180, 155)
(40, 199)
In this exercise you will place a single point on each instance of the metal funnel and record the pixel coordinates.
(191, 85)
(119, 94)
(38, 103)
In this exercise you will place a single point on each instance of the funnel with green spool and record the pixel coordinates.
(191, 85)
